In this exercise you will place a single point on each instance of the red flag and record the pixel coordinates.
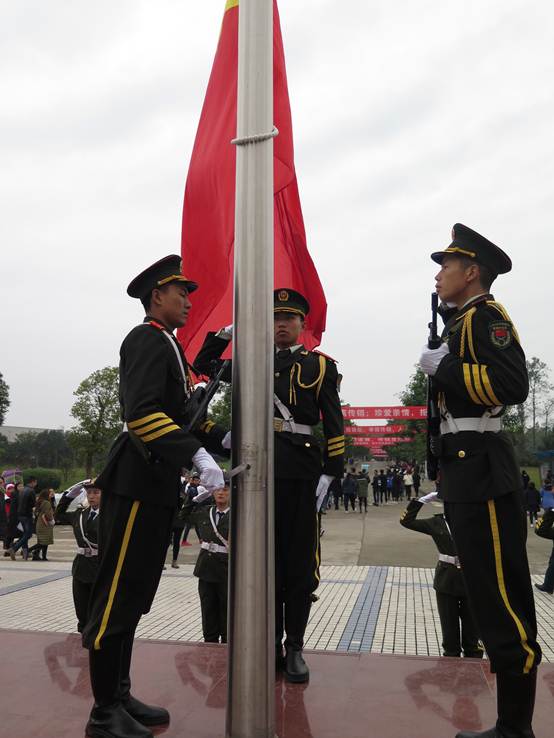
(209, 208)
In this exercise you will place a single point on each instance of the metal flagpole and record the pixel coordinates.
(251, 669)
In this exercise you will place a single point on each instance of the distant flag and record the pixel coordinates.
(209, 208)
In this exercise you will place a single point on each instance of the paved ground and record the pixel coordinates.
(376, 591)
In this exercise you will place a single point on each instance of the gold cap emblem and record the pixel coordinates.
(462, 454)
(283, 296)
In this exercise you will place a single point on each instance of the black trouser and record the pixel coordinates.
(213, 604)
(362, 501)
(336, 497)
(81, 597)
(176, 534)
(376, 496)
(37, 549)
(132, 544)
(453, 612)
(297, 556)
(490, 539)
(350, 499)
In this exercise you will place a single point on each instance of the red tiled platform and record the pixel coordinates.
(45, 692)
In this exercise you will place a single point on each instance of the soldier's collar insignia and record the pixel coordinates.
(501, 334)
(283, 296)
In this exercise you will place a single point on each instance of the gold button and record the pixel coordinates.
(462, 454)
(307, 444)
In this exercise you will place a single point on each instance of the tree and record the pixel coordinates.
(97, 411)
(414, 394)
(538, 373)
(220, 410)
(4, 399)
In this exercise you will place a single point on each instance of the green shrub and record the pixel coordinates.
(46, 478)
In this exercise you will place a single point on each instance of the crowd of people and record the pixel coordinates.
(24, 513)
(389, 485)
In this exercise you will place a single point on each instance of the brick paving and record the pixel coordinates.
(378, 609)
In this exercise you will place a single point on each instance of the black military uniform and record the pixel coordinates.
(448, 584)
(306, 387)
(211, 567)
(484, 371)
(140, 492)
(85, 564)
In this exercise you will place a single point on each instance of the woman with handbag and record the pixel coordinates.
(44, 516)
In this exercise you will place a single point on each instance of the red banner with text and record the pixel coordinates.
(411, 412)
(379, 442)
(367, 430)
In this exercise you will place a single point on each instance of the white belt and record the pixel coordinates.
(481, 425)
(87, 552)
(450, 560)
(214, 547)
(280, 425)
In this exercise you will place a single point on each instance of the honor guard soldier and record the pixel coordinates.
(85, 530)
(140, 493)
(305, 392)
(478, 370)
(212, 565)
(452, 602)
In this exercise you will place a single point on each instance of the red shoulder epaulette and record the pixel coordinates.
(156, 325)
(317, 351)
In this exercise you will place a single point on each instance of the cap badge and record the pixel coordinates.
(283, 296)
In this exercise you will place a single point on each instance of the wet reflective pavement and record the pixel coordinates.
(46, 692)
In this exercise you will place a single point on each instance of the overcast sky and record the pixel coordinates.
(408, 117)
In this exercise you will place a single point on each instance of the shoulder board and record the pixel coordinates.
(326, 356)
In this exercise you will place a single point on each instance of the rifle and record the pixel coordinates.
(196, 406)
(433, 413)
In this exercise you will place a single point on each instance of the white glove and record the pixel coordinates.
(226, 333)
(322, 487)
(211, 476)
(431, 358)
(226, 442)
(202, 495)
(76, 489)
(431, 497)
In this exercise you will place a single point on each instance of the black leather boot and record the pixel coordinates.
(108, 718)
(279, 657)
(143, 713)
(516, 701)
(113, 721)
(296, 669)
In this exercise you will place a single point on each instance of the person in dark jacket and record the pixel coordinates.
(350, 491)
(25, 507)
(532, 502)
(85, 529)
(545, 529)
(452, 601)
(44, 517)
(375, 487)
(212, 563)
(336, 490)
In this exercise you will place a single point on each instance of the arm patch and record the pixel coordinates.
(500, 334)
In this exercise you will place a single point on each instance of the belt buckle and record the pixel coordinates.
(278, 425)
(212, 547)
(88, 553)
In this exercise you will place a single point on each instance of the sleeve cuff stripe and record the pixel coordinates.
(469, 386)
(334, 440)
(339, 452)
(335, 446)
(159, 433)
(152, 426)
(488, 386)
(147, 419)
